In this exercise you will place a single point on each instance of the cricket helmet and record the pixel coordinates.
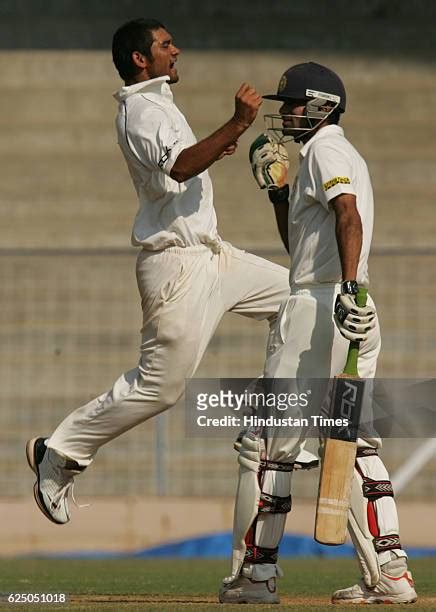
(317, 85)
(302, 81)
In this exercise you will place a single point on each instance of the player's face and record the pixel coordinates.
(293, 117)
(164, 56)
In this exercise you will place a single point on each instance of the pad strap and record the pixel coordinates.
(374, 489)
(275, 504)
(390, 542)
(276, 466)
(257, 554)
(366, 452)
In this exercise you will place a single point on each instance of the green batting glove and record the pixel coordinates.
(269, 163)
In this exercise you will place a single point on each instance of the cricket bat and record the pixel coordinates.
(340, 448)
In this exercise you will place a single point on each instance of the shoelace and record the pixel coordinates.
(74, 499)
(63, 491)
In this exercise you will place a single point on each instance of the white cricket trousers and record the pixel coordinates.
(306, 344)
(184, 294)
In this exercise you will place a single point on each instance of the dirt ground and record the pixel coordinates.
(155, 602)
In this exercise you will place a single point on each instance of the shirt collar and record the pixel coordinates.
(151, 88)
(324, 132)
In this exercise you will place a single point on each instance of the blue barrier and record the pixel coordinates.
(218, 546)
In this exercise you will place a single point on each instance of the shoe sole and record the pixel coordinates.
(373, 602)
(31, 460)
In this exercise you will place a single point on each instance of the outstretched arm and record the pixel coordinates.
(197, 158)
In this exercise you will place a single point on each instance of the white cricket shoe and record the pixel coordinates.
(246, 591)
(396, 586)
(55, 478)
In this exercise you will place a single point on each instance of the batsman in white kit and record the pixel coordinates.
(326, 224)
(187, 276)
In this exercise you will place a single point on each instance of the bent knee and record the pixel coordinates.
(170, 396)
(164, 391)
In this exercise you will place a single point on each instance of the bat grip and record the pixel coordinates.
(353, 350)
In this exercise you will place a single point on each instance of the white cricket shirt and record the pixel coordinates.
(151, 133)
(329, 166)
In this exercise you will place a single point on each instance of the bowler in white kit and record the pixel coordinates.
(188, 277)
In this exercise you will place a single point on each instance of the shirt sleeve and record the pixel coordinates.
(333, 173)
(154, 139)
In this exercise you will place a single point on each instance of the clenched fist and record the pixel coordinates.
(247, 104)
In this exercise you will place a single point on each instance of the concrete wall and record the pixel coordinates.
(65, 183)
(70, 324)
(139, 522)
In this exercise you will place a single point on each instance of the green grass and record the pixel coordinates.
(176, 584)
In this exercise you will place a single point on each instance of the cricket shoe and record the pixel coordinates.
(246, 591)
(394, 587)
(55, 478)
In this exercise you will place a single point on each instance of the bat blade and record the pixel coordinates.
(334, 492)
(338, 461)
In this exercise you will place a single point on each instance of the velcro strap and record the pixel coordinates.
(374, 489)
(73, 466)
(276, 466)
(390, 542)
(257, 554)
(275, 504)
(366, 452)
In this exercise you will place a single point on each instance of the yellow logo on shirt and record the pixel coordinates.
(334, 181)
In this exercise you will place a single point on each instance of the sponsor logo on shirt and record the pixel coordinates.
(335, 181)
(164, 157)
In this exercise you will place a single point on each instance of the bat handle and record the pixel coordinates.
(353, 350)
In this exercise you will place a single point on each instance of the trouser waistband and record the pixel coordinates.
(216, 246)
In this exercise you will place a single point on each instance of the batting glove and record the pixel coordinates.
(269, 163)
(353, 322)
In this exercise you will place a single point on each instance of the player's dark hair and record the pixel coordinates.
(136, 35)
